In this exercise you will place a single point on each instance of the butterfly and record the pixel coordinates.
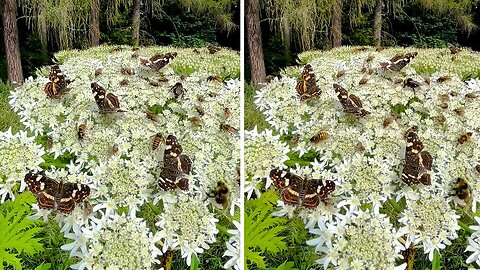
(399, 61)
(296, 190)
(107, 103)
(307, 87)
(158, 61)
(57, 86)
(453, 49)
(212, 49)
(52, 194)
(176, 167)
(350, 102)
(417, 161)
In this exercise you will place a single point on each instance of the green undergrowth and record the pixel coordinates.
(8, 118)
(253, 117)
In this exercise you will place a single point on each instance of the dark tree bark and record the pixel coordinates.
(377, 23)
(94, 27)
(10, 35)
(136, 23)
(254, 40)
(337, 23)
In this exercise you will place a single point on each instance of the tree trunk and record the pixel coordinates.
(136, 23)
(94, 27)
(10, 35)
(377, 23)
(337, 23)
(254, 40)
(286, 29)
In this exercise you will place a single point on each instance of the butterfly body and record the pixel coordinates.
(52, 194)
(176, 167)
(158, 61)
(350, 102)
(418, 162)
(307, 87)
(297, 191)
(57, 87)
(106, 102)
(399, 61)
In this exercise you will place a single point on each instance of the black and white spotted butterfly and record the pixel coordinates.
(176, 167)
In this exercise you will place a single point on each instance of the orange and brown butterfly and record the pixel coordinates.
(106, 103)
(51, 194)
(57, 86)
(307, 87)
(298, 191)
(350, 102)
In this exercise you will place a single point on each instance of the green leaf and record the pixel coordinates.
(18, 233)
(436, 260)
(286, 266)
(45, 266)
(262, 234)
(195, 263)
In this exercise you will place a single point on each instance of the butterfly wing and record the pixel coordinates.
(173, 148)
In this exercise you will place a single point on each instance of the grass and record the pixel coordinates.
(8, 117)
(253, 117)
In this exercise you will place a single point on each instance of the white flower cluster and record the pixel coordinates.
(364, 240)
(115, 156)
(19, 154)
(187, 224)
(263, 152)
(118, 242)
(365, 156)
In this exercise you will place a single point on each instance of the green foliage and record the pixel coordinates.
(184, 29)
(422, 29)
(18, 233)
(52, 257)
(285, 266)
(253, 117)
(8, 117)
(262, 232)
(180, 70)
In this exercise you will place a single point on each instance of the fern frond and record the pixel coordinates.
(18, 233)
(262, 232)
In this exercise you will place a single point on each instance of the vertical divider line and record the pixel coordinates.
(242, 137)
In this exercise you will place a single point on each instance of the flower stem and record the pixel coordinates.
(436, 260)
(465, 227)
